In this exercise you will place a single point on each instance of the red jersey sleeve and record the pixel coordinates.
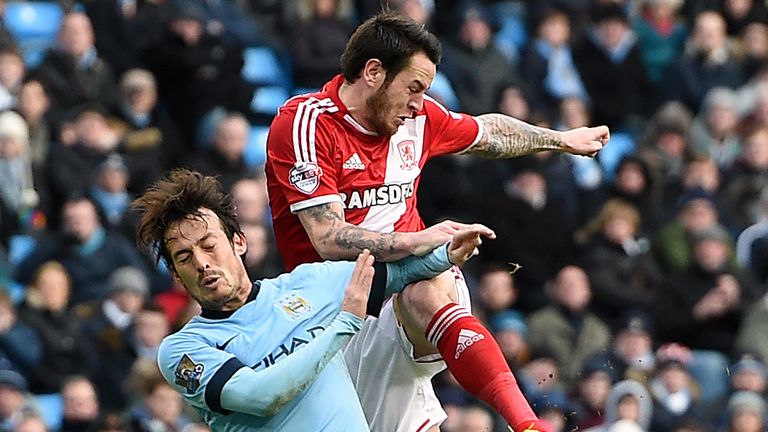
(447, 131)
(300, 152)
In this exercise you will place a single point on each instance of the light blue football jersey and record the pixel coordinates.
(282, 317)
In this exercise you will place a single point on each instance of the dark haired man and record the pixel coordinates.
(265, 355)
(342, 167)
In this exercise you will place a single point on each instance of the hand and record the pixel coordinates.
(359, 286)
(728, 285)
(434, 236)
(464, 244)
(532, 426)
(585, 141)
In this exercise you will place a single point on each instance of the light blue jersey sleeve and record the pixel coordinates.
(217, 381)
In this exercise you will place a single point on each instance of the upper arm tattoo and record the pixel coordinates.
(348, 239)
(506, 137)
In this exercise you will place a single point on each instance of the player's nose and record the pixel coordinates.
(416, 103)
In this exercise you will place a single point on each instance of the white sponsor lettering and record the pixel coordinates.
(378, 196)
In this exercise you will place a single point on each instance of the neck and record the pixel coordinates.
(353, 96)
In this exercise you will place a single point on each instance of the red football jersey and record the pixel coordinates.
(317, 154)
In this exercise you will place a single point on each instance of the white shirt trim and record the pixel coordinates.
(477, 138)
(315, 201)
(358, 126)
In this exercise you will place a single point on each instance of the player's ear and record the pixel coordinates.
(374, 73)
(240, 244)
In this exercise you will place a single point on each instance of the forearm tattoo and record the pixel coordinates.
(349, 240)
(506, 137)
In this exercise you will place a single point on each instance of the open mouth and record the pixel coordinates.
(210, 281)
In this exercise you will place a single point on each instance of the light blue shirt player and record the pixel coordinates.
(275, 363)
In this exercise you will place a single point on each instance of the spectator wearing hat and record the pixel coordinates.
(65, 350)
(746, 412)
(706, 63)
(595, 382)
(631, 354)
(473, 64)
(554, 407)
(567, 328)
(714, 131)
(511, 333)
(15, 400)
(705, 304)
(150, 140)
(628, 401)
(109, 192)
(675, 392)
(110, 323)
(612, 69)
(671, 246)
(196, 71)
(73, 72)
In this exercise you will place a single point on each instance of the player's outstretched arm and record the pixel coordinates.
(265, 392)
(506, 137)
(335, 239)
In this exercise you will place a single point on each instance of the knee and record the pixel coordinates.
(425, 298)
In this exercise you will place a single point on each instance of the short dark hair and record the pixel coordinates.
(391, 38)
(182, 194)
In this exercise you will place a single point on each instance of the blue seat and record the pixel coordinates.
(261, 66)
(52, 408)
(255, 152)
(442, 90)
(34, 25)
(266, 100)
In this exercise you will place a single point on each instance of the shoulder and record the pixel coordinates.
(302, 115)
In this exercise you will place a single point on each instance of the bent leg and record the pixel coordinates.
(467, 347)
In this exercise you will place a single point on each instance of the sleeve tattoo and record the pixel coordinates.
(348, 239)
(506, 137)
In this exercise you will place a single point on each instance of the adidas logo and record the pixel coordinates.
(354, 162)
(466, 339)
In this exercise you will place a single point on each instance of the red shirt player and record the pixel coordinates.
(343, 165)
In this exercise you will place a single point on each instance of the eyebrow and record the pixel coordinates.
(186, 250)
(420, 85)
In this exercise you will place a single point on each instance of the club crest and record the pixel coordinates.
(295, 306)
(407, 151)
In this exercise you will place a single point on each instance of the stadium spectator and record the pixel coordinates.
(746, 180)
(319, 32)
(15, 400)
(149, 139)
(738, 14)
(65, 350)
(475, 419)
(591, 393)
(109, 324)
(229, 21)
(31, 423)
(109, 192)
(752, 243)
(81, 409)
(88, 251)
(472, 62)
(746, 413)
(224, 155)
(566, 328)
(158, 406)
(706, 63)
(124, 29)
(714, 130)
(621, 270)
(33, 105)
(754, 44)
(628, 401)
(195, 71)
(660, 35)
(12, 70)
(496, 290)
(250, 196)
(261, 259)
(511, 332)
(753, 334)
(547, 65)
(17, 190)
(20, 348)
(612, 69)
(73, 72)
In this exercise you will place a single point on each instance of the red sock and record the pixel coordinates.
(475, 360)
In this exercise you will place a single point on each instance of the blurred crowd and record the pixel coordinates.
(628, 292)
